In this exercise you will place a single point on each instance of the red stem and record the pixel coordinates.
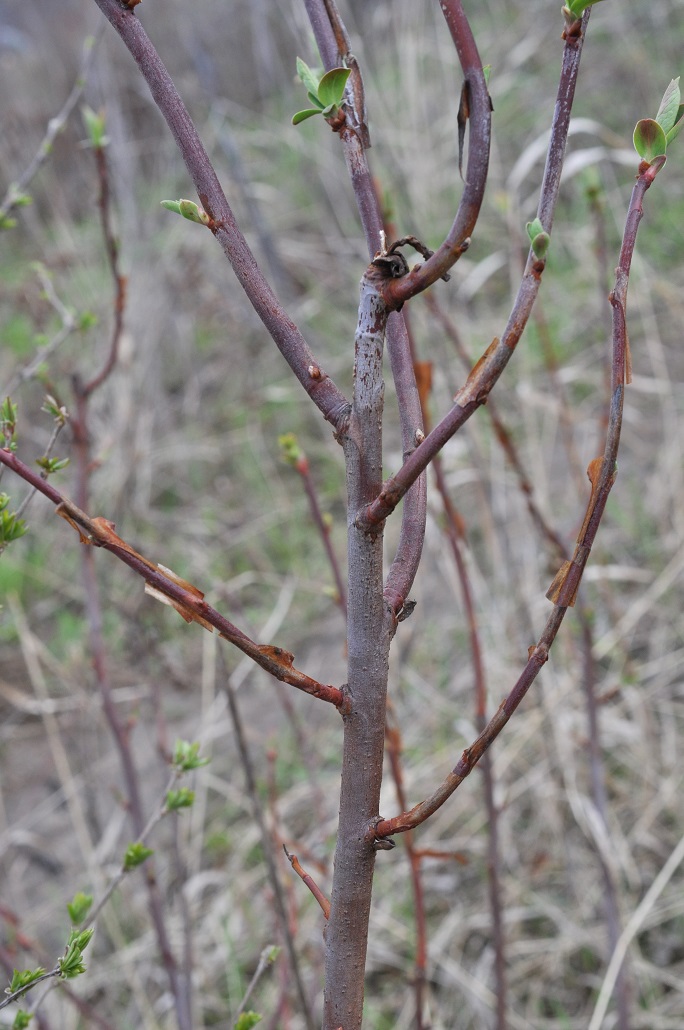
(604, 476)
(273, 659)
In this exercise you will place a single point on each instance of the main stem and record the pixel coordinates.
(368, 640)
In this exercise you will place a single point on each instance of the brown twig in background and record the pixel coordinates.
(257, 808)
(179, 974)
(393, 747)
(15, 191)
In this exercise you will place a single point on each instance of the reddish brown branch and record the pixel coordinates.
(479, 109)
(287, 337)
(602, 473)
(310, 883)
(163, 584)
(112, 248)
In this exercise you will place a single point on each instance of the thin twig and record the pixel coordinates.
(257, 808)
(16, 190)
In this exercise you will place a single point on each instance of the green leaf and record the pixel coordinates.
(177, 799)
(307, 76)
(95, 127)
(186, 756)
(577, 7)
(315, 101)
(669, 106)
(50, 465)
(71, 963)
(649, 139)
(7, 223)
(188, 209)
(301, 116)
(21, 1020)
(135, 855)
(331, 86)
(193, 212)
(247, 1020)
(674, 131)
(78, 908)
(534, 228)
(540, 245)
(11, 528)
(23, 979)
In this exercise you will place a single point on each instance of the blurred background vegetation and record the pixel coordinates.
(185, 437)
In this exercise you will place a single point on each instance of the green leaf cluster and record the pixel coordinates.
(186, 756)
(71, 962)
(78, 908)
(181, 798)
(11, 527)
(8, 423)
(188, 209)
(21, 1020)
(326, 94)
(653, 135)
(289, 448)
(539, 238)
(50, 465)
(135, 855)
(247, 1020)
(94, 122)
(576, 8)
(20, 979)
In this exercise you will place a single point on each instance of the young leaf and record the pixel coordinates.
(171, 205)
(301, 116)
(307, 76)
(669, 106)
(177, 799)
(78, 908)
(649, 139)
(21, 1020)
(135, 855)
(674, 131)
(23, 979)
(95, 127)
(331, 86)
(534, 228)
(577, 7)
(186, 756)
(247, 1020)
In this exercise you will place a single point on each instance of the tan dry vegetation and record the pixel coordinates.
(186, 438)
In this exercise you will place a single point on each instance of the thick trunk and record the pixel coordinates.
(368, 639)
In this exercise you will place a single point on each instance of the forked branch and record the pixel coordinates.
(490, 366)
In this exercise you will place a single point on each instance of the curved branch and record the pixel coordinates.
(326, 396)
(488, 369)
(479, 113)
(602, 472)
(165, 586)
